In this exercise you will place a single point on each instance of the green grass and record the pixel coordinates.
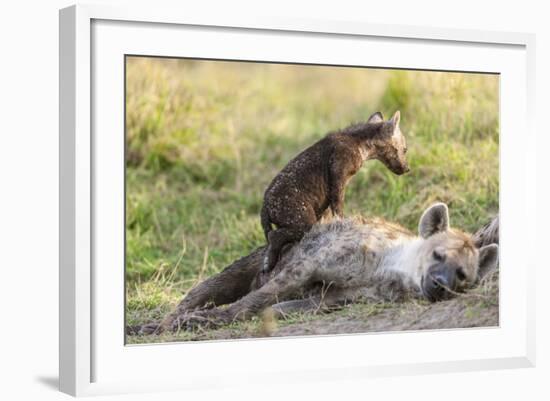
(204, 139)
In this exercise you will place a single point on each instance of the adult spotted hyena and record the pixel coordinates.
(316, 179)
(338, 262)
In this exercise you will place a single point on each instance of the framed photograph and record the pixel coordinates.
(265, 199)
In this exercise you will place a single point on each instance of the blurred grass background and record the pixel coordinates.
(205, 138)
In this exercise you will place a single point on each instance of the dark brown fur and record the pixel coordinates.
(315, 180)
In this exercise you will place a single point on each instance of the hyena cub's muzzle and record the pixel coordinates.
(394, 161)
(400, 168)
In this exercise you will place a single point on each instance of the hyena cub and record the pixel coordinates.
(315, 180)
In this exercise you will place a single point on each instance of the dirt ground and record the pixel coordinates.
(476, 308)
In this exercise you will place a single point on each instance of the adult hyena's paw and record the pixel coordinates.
(196, 320)
(150, 329)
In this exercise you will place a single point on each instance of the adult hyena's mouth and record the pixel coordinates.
(434, 291)
(425, 293)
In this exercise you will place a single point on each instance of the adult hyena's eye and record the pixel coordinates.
(460, 274)
(438, 255)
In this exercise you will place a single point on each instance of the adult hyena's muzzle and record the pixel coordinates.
(439, 282)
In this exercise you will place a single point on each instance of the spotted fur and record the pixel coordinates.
(347, 260)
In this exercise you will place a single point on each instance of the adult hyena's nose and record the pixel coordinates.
(438, 284)
(440, 281)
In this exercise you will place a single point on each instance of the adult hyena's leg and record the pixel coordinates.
(287, 281)
(328, 299)
(223, 288)
(310, 304)
(227, 286)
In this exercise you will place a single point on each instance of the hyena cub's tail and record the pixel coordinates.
(266, 222)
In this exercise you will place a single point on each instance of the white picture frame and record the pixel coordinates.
(93, 356)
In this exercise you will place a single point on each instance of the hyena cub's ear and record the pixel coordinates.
(396, 118)
(376, 118)
(435, 219)
(393, 124)
(488, 259)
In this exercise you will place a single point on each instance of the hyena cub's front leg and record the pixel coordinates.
(288, 280)
(343, 166)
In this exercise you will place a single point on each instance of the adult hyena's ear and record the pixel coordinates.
(435, 219)
(376, 118)
(488, 259)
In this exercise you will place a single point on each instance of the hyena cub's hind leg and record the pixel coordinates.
(289, 230)
(277, 240)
